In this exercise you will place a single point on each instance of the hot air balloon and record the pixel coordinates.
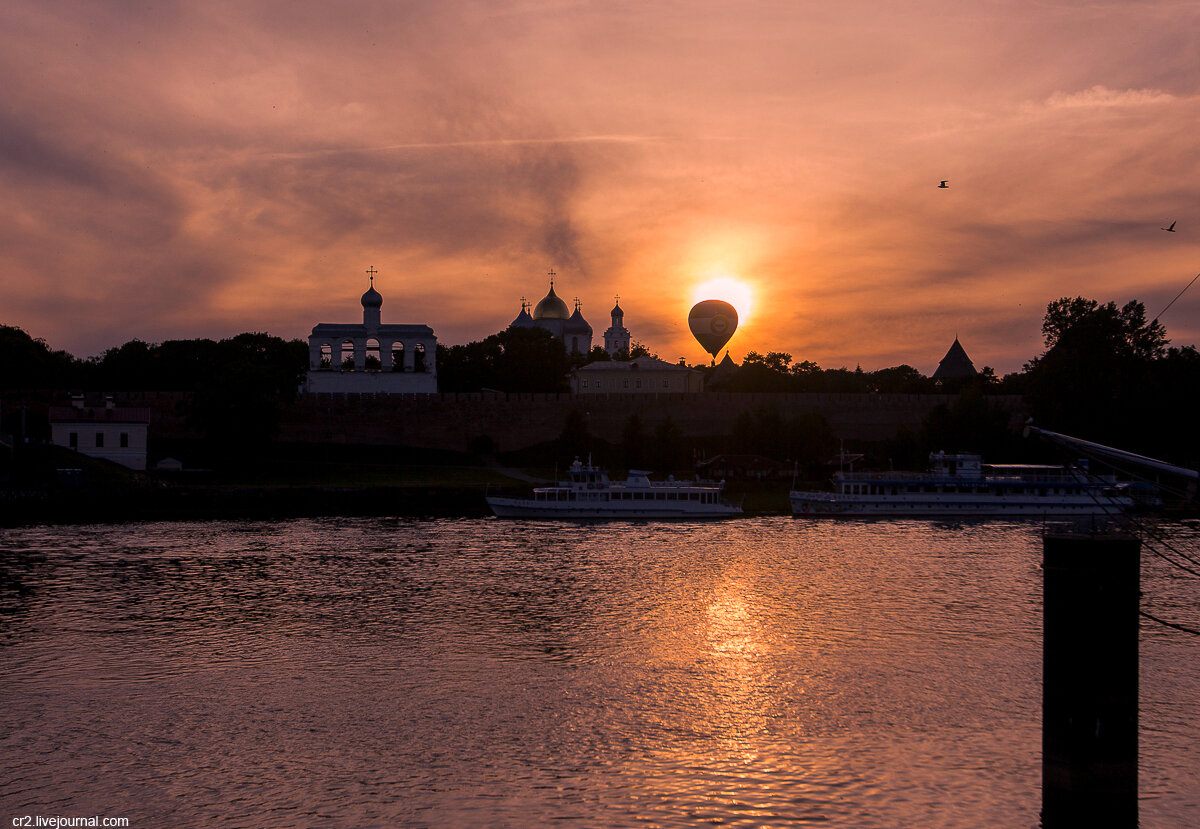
(713, 322)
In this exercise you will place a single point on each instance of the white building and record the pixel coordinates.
(113, 433)
(372, 357)
(644, 375)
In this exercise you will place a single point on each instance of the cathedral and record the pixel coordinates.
(551, 314)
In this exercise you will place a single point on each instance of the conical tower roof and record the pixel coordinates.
(723, 374)
(955, 365)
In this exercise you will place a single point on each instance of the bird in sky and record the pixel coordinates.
(944, 185)
(1170, 229)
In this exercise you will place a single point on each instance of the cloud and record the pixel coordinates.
(196, 170)
(1102, 96)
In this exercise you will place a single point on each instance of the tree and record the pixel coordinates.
(31, 364)
(238, 404)
(1095, 372)
(513, 360)
(666, 453)
(575, 439)
(633, 442)
(1084, 323)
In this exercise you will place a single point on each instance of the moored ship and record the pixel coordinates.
(589, 494)
(961, 485)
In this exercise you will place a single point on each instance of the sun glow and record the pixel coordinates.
(734, 291)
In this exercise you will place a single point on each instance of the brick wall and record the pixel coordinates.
(452, 421)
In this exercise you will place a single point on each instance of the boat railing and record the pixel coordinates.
(1047, 477)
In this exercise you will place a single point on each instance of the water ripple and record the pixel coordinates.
(394, 672)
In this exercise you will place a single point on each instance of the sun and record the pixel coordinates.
(731, 289)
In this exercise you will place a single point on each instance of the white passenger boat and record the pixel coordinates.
(961, 485)
(589, 494)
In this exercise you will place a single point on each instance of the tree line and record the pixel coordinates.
(1106, 374)
(236, 388)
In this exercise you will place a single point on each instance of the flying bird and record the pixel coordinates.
(1170, 229)
(944, 185)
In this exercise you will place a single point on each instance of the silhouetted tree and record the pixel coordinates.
(575, 439)
(29, 363)
(666, 451)
(971, 423)
(513, 360)
(238, 404)
(1096, 372)
(633, 443)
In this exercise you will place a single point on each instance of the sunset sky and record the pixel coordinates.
(178, 170)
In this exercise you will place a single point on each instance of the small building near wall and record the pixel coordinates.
(113, 433)
(372, 358)
(644, 375)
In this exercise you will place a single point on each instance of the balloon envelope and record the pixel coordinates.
(713, 322)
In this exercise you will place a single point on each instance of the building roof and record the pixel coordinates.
(955, 365)
(355, 329)
(724, 373)
(636, 364)
(99, 414)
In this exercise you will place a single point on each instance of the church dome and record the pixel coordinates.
(616, 311)
(523, 319)
(577, 324)
(372, 298)
(551, 308)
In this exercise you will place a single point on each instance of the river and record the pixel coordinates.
(473, 672)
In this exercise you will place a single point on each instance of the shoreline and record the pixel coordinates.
(215, 502)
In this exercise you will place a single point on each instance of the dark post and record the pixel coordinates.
(1090, 680)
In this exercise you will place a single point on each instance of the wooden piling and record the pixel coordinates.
(1090, 680)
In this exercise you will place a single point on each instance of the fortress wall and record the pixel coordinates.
(452, 421)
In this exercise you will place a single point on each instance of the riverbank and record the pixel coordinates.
(266, 502)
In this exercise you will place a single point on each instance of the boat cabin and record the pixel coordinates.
(958, 465)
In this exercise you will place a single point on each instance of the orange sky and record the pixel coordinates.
(176, 170)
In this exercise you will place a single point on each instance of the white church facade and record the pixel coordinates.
(372, 358)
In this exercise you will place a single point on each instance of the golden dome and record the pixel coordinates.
(551, 308)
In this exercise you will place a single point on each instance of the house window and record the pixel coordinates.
(124, 440)
(639, 383)
(99, 440)
(626, 384)
(666, 384)
(73, 440)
